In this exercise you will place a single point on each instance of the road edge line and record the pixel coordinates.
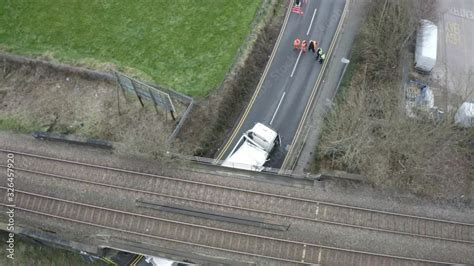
(259, 86)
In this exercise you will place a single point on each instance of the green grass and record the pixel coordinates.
(187, 45)
(16, 124)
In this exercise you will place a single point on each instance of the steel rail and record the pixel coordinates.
(305, 244)
(272, 195)
(233, 188)
(141, 191)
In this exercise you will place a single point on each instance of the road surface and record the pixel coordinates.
(287, 86)
(455, 66)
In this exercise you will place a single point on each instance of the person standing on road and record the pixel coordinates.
(319, 52)
(304, 44)
(322, 57)
(296, 44)
(312, 46)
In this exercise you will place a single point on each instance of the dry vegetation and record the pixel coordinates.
(36, 97)
(368, 132)
(29, 251)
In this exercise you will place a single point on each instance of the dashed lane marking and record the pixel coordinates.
(278, 107)
(311, 23)
(313, 92)
(259, 86)
(294, 67)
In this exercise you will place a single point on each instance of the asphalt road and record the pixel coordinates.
(455, 54)
(286, 88)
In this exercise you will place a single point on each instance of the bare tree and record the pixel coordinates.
(368, 133)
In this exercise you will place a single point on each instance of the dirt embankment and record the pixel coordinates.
(213, 118)
(38, 97)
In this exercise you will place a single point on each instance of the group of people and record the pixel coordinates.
(303, 45)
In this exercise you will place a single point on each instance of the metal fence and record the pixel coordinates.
(160, 96)
(142, 90)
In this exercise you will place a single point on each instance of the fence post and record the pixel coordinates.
(153, 99)
(118, 99)
(136, 92)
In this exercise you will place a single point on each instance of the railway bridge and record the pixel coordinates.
(205, 213)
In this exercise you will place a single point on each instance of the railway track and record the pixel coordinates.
(279, 250)
(263, 203)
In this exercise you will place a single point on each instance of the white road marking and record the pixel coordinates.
(311, 23)
(313, 92)
(259, 86)
(304, 253)
(297, 60)
(278, 107)
(319, 255)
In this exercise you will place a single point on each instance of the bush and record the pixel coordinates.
(368, 132)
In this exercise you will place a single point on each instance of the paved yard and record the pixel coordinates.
(455, 67)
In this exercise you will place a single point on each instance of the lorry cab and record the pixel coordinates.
(253, 149)
(264, 136)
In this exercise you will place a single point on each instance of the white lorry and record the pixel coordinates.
(426, 46)
(253, 149)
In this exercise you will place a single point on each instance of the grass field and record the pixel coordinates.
(186, 45)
